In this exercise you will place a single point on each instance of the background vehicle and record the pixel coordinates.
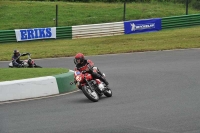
(29, 63)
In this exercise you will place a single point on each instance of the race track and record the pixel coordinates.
(153, 92)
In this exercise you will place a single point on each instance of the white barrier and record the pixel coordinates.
(28, 88)
(97, 30)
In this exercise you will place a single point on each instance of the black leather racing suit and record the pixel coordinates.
(16, 60)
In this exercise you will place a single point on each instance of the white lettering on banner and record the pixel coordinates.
(36, 33)
(133, 27)
(142, 26)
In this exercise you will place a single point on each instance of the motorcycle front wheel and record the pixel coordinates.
(108, 92)
(90, 94)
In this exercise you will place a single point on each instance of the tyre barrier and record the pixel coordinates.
(36, 87)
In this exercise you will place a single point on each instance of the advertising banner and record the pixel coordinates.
(36, 33)
(137, 26)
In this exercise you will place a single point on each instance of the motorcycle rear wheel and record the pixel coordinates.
(36, 66)
(90, 94)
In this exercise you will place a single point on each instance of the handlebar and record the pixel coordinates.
(83, 72)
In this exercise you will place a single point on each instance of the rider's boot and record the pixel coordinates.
(104, 80)
(100, 73)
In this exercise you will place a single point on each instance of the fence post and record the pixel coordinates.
(124, 18)
(56, 15)
(186, 7)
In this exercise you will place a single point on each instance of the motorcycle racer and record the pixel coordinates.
(82, 64)
(16, 58)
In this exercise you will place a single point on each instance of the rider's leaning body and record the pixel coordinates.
(82, 65)
(16, 58)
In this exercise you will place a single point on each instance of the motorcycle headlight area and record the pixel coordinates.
(78, 78)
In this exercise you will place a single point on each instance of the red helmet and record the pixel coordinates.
(79, 56)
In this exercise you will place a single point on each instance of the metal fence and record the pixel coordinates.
(7, 36)
(97, 30)
(180, 21)
(64, 32)
(116, 28)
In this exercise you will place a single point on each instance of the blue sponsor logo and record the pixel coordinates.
(35, 33)
(138, 26)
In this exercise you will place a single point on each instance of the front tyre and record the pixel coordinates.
(108, 92)
(90, 94)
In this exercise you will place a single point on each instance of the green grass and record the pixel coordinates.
(8, 74)
(35, 14)
(167, 39)
(18, 15)
(163, 40)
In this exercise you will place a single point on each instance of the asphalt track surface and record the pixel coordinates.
(153, 92)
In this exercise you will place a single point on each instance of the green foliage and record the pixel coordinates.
(180, 1)
(24, 73)
(196, 4)
(165, 39)
(114, 1)
(34, 14)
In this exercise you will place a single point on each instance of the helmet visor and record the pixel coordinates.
(77, 60)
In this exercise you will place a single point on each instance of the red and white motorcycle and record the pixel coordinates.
(92, 88)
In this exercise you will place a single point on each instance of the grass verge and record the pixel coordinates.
(8, 74)
(38, 14)
(183, 38)
(167, 39)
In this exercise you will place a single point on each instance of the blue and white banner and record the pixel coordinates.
(137, 26)
(36, 33)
